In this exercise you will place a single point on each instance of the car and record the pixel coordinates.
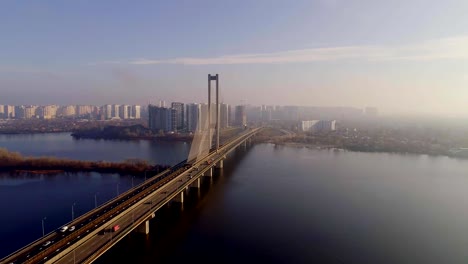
(63, 229)
(71, 229)
(47, 243)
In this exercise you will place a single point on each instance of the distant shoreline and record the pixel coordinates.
(134, 132)
(331, 147)
(39, 172)
(334, 141)
(31, 132)
(162, 138)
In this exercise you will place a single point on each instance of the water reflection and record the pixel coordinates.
(15, 180)
(300, 205)
(62, 145)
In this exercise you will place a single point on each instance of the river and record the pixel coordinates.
(269, 204)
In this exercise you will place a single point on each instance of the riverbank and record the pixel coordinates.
(451, 154)
(40, 126)
(334, 140)
(15, 163)
(134, 132)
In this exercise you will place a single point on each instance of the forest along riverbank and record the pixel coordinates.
(15, 163)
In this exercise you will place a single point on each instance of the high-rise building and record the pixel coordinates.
(170, 120)
(193, 117)
(179, 115)
(254, 113)
(49, 111)
(161, 119)
(2, 111)
(115, 111)
(30, 111)
(162, 103)
(136, 112)
(106, 111)
(84, 110)
(266, 113)
(19, 111)
(9, 111)
(130, 111)
(123, 111)
(225, 113)
(155, 118)
(241, 116)
(67, 111)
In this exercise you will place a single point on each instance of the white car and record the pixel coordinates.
(63, 229)
(72, 228)
(46, 243)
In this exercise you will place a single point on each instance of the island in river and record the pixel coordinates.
(15, 163)
(128, 132)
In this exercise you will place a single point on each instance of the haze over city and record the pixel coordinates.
(220, 131)
(404, 57)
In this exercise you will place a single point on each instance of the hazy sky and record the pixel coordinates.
(402, 56)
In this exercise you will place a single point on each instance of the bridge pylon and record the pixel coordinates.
(213, 78)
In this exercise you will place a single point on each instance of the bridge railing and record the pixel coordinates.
(75, 222)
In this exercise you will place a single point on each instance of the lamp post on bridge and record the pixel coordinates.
(95, 200)
(117, 189)
(43, 230)
(73, 211)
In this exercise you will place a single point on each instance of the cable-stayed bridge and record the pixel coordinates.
(98, 230)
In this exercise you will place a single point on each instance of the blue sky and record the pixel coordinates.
(402, 56)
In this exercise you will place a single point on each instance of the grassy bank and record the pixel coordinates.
(13, 161)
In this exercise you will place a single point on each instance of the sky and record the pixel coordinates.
(400, 56)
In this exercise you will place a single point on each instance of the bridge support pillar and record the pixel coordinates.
(220, 164)
(209, 172)
(196, 183)
(143, 228)
(179, 198)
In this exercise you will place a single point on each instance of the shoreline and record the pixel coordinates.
(331, 147)
(37, 172)
(161, 138)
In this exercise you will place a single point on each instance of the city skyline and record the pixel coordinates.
(402, 57)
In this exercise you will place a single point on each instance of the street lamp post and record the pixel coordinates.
(43, 230)
(117, 189)
(145, 176)
(132, 181)
(95, 200)
(73, 211)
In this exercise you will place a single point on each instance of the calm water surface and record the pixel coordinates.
(63, 145)
(277, 205)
